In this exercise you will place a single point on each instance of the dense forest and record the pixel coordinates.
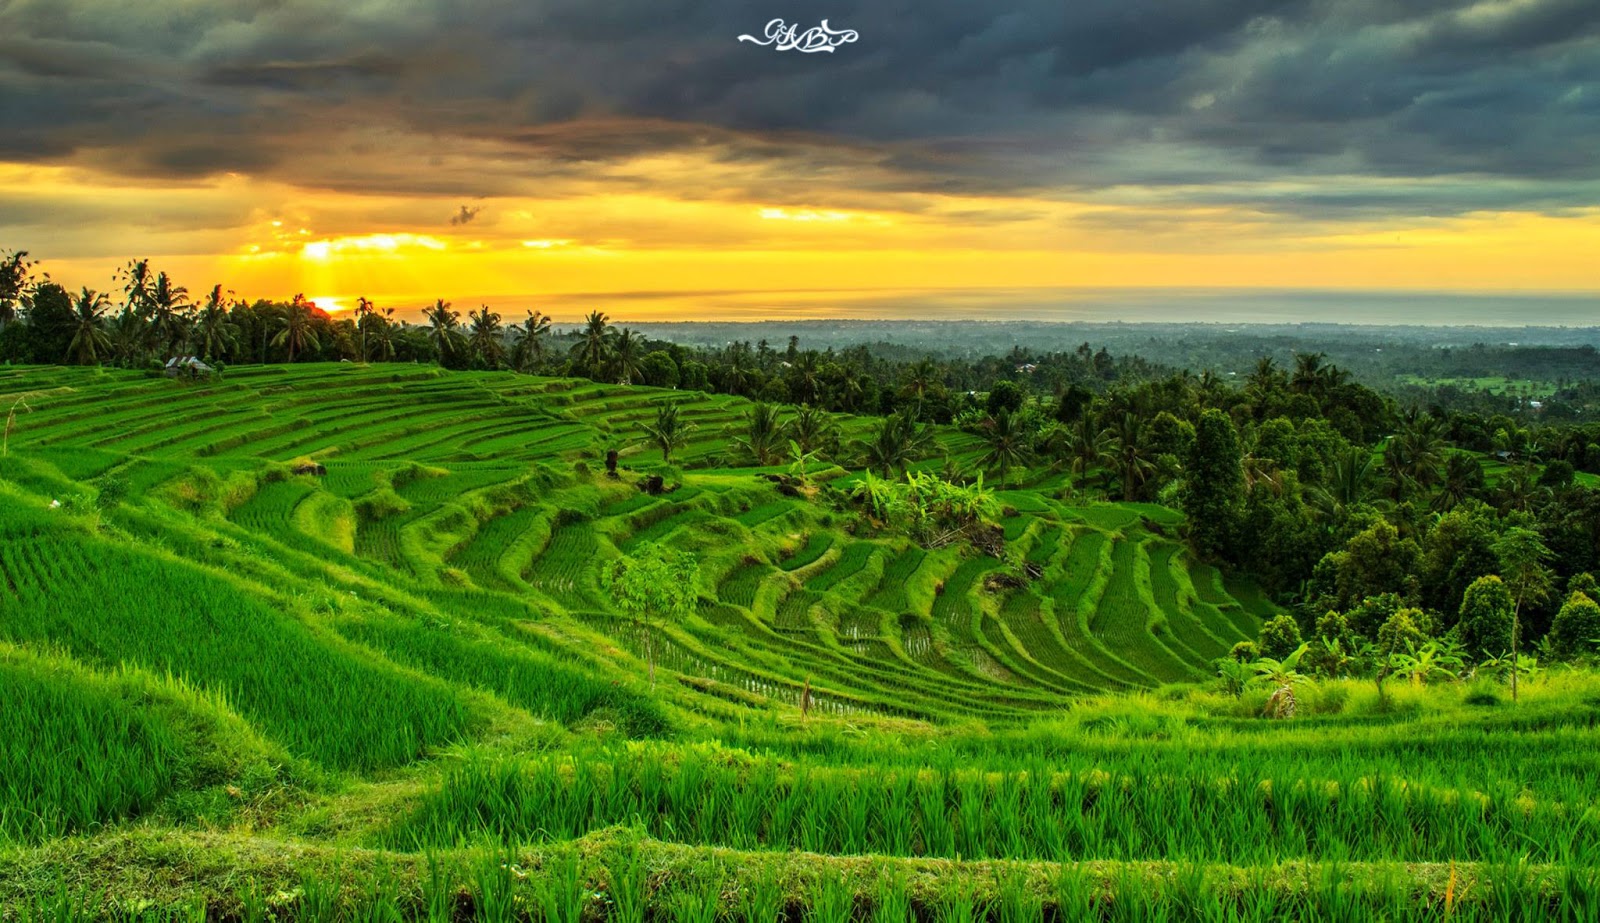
(1383, 517)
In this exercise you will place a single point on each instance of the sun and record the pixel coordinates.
(330, 303)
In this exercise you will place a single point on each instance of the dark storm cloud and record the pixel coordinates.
(1036, 96)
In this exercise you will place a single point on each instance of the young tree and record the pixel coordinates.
(1522, 555)
(668, 432)
(654, 583)
(1213, 489)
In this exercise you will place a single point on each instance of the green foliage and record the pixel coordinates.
(1214, 486)
(1279, 638)
(1486, 617)
(1576, 629)
(653, 583)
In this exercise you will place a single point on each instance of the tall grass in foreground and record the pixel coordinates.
(324, 699)
(610, 887)
(75, 751)
(1134, 808)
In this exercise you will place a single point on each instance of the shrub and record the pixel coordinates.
(1486, 612)
(1576, 629)
(1279, 637)
(1403, 629)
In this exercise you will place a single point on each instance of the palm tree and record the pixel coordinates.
(89, 336)
(387, 334)
(1128, 457)
(486, 338)
(1353, 481)
(1091, 448)
(365, 310)
(529, 340)
(15, 276)
(214, 333)
(814, 430)
(897, 442)
(804, 377)
(444, 328)
(764, 435)
(625, 357)
(1007, 442)
(1462, 474)
(297, 332)
(922, 379)
(168, 317)
(669, 431)
(735, 377)
(136, 286)
(594, 344)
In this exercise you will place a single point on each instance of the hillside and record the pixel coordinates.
(340, 676)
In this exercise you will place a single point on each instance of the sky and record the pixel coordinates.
(633, 155)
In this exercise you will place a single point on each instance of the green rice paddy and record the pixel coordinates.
(399, 690)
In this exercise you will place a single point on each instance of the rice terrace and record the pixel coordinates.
(675, 461)
(335, 640)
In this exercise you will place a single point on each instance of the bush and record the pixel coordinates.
(1576, 629)
(1403, 629)
(1486, 612)
(1280, 637)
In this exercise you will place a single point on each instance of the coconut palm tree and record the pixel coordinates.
(922, 380)
(486, 338)
(1462, 475)
(1353, 481)
(15, 276)
(1007, 442)
(214, 333)
(593, 351)
(529, 340)
(365, 311)
(1090, 447)
(1128, 457)
(297, 332)
(137, 281)
(169, 318)
(764, 436)
(385, 335)
(669, 431)
(89, 338)
(897, 442)
(444, 329)
(814, 431)
(625, 356)
(805, 381)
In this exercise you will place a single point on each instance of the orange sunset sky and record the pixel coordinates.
(514, 153)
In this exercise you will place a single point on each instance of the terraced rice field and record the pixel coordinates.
(406, 675)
